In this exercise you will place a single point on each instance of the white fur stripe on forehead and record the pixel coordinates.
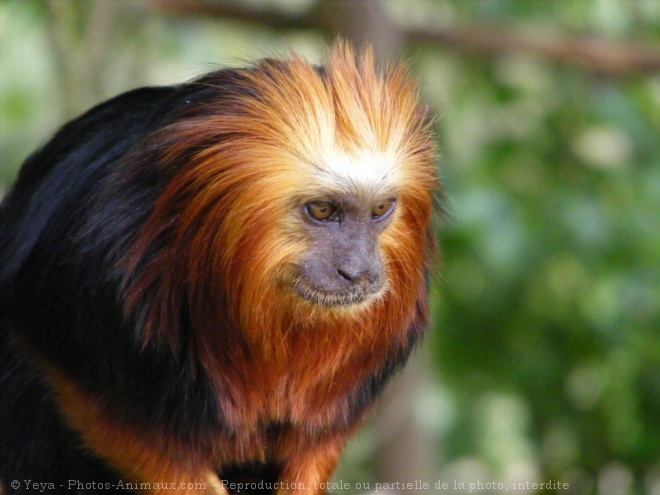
(365, 171)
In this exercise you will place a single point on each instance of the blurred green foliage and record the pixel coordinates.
(551, 289)
(547, 310)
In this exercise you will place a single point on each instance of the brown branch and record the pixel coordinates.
(598, 54)
(602, 56)
(238, 12)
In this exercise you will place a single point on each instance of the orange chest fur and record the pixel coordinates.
(309, 383)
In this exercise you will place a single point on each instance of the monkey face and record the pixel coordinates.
(343, 264)
(300, 191)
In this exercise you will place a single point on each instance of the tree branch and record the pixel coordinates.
(602, 56)
(597, 54)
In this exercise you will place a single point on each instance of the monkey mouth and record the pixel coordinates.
(356, 295)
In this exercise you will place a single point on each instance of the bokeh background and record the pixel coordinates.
(543, 363)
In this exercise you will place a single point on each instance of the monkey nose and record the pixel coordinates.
(358, 274)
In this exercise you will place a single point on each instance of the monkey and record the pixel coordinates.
(207, 286)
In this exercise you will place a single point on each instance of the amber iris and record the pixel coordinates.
(322, 210)
(381, 210)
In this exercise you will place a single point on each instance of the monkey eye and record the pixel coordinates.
(323, 211)
(382, 209)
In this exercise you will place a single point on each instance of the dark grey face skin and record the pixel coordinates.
(343, 266)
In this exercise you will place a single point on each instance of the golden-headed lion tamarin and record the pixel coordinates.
(208, 284)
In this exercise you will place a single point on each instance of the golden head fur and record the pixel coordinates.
(288, 132)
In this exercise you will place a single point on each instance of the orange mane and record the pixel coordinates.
(240, 165)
